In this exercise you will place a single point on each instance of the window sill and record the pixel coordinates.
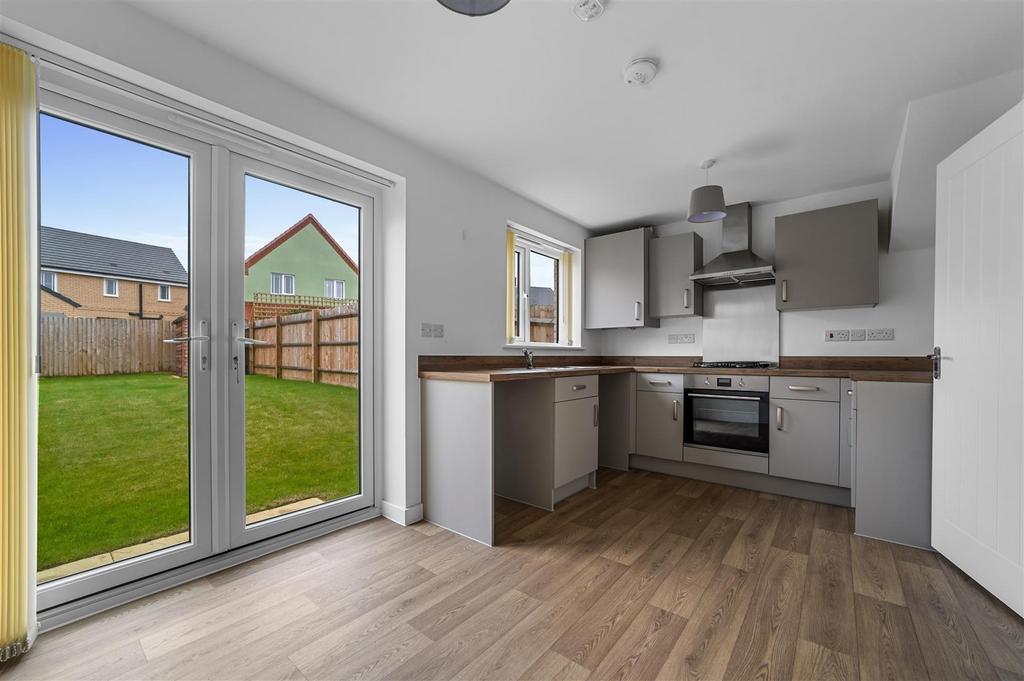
(541, 346)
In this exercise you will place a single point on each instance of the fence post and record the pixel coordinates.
(314, 325)
(277, 346)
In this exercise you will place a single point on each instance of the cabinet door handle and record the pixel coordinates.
(597, 416)
(636, 310)
(660, 382)
(580, 386)
(785, 290)
(804, 388)
(675, 410)
(778, 418)
(686, 299)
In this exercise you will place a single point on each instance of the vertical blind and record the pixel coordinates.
(18, 113)
(510, 275)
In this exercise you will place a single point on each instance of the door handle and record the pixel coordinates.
(200, 338)
(660, 382)
(936, 358)
(804, 388)
(579, 386)
(785, 290)
(636, 310)
(597, 415)
(675, 410)
(242, 341)
(686, 298)
(778, 418)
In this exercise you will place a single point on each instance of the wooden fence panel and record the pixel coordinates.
(83, 346)
(320, 346)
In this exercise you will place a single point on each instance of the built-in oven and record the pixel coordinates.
(726, 412)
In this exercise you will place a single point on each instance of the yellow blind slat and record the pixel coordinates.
(510, 259)
(17, 123)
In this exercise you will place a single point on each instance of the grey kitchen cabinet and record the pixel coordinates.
(827, 258)
(576, 439)
(673, 259)
(804, 440)
(615, 281)
(659, 425)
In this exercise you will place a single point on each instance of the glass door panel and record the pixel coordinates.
(123, 415)
(298, 286)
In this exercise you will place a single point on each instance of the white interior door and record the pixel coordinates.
(978, 424)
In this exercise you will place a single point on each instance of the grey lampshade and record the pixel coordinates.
(707, 204)
(474, 8)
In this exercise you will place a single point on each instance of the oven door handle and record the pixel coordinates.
(745, 398)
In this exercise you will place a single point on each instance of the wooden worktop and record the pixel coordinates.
(493, 369)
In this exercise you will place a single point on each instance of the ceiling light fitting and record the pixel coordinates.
(588, 10)
(707, 203)
(640, 71)
(474, 8)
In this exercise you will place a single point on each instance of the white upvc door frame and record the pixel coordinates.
(201, 286)
(309, 176)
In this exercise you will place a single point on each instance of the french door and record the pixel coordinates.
(216, 388)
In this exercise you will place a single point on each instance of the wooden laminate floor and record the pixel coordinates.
(646, 577)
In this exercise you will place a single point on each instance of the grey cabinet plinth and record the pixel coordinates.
(615, 281)
(827, 258)
(673, 259)
(659, 425)
(804, 440)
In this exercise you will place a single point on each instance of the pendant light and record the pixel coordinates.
(707, 203)
(474, 8)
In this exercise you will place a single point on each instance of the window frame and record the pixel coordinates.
(334, 288)
(525, 244)
(117, 288)
(44, 273)
(159, 290)
(284, 277)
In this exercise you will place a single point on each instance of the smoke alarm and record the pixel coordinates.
(640, 71)
(588, 10)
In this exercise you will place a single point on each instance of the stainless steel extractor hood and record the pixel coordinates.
(738, 265)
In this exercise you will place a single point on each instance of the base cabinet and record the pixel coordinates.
(804, 440)
(659, 425)
(576, 439)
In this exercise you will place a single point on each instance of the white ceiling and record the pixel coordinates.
(793, 98)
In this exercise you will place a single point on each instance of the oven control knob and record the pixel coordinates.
(741, 382)
(707, 380)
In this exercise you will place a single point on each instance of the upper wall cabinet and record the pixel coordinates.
(673, 260)
(615, 280)
(827, 258)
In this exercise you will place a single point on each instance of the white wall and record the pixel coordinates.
(905, 295)
(444, 226)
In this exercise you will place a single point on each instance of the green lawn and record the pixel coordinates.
(113, 457)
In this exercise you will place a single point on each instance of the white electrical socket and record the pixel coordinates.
(438, 331)
(836, 335)
(881, 334)
(426, 330)
(857, 334)
(673, 338)
(687, 338)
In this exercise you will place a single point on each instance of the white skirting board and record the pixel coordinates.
(403, 515)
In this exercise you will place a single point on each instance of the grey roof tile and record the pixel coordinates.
(63, 249)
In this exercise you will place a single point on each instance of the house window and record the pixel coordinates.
(48, 279)
(282, 284)
(540, 297)
(110, 288)
(334, 288)
(163, 293)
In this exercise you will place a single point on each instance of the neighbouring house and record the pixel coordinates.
(87, 275)
(301, 268)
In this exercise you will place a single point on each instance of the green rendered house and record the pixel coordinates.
(305, 261)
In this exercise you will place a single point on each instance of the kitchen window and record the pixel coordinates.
(163, 293)
(282, 284)
(110, 288)
(540, 300)
(334, 288)
(48, 280)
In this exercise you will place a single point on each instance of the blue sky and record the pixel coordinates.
(94, 182)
